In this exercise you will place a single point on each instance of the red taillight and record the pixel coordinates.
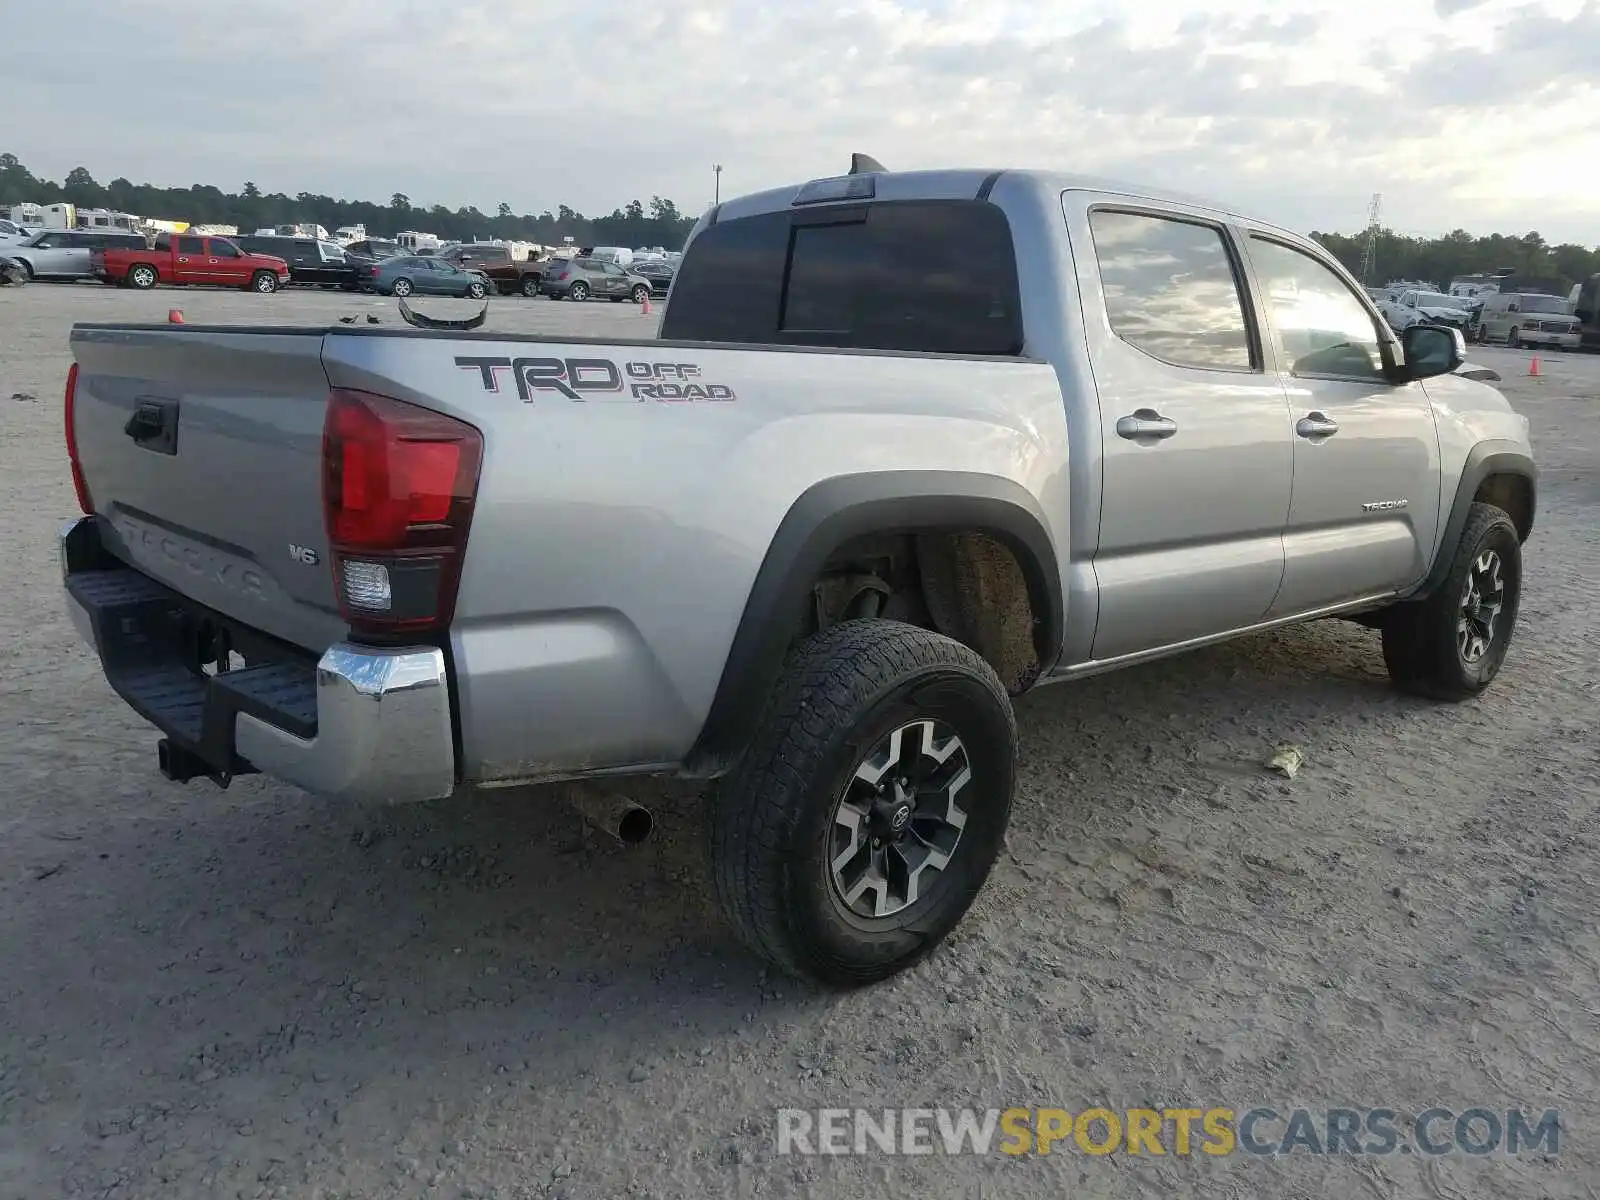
(563, 273)
(398, 484)
(372, 270)
(85, 502)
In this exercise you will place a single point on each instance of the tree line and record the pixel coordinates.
(657, 223)
(1439, 260)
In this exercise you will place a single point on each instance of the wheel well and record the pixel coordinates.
(1514, 495)
(967, 584)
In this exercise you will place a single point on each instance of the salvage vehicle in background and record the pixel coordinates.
(186, 260)
(1529, 319)
(371, 250)
(658, 271)
(594, 279)
(311, 262)
(508, 275)
(426, 275)
(67, 254)
(1428, 308)
(907, 445)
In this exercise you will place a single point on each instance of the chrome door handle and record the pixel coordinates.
(1316, 425)
(1146, 423)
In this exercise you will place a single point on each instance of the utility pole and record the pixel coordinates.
(716, 194)
(1370, 253)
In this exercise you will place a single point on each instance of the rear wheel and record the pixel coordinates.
(401, 287)
(264, 282)
(578, 291)
(142, 276)
(1451, 645)
(477, 290)
(868, 810)
(640, 294)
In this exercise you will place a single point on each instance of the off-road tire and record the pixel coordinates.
(1420, 645)
(770, 822)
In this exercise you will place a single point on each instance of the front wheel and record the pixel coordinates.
(530, 287)
(476, 290)
(578, 291)
(866, 813)
(1451, 645)
(264, 282)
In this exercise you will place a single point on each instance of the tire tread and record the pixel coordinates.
(829, 681)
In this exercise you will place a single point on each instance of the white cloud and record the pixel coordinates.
(1462, 114)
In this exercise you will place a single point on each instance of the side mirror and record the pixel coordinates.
(1432, 350)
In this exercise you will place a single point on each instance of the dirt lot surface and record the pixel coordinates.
(251, 993)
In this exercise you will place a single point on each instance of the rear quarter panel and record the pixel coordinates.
(616, 538)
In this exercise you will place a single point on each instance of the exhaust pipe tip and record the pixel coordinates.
(618, 817)
(635, 825)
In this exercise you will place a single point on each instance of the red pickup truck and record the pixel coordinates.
(185, 259)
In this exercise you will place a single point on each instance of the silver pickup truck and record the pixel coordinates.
(908, 445)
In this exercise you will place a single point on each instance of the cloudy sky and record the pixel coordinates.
(1461, 112)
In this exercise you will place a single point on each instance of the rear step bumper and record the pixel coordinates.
(363, 723)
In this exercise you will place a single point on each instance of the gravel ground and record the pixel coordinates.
(250, 993)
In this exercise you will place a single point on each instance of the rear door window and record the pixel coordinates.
(916, 276)
(1171, 290)
(191, 245)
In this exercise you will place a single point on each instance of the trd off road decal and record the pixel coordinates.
(596, 379)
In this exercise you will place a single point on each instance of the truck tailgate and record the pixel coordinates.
(202, 453)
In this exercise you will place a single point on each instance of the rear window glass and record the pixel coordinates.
(930, 276)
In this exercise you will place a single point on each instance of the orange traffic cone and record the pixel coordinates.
(645, 308)
(1533, 367)
(175, 316)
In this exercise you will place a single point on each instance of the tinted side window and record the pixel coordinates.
(932, 276)
(191, 245)
(1321, 327)
(1170, 290)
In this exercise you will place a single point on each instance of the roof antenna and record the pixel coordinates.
(861, 164)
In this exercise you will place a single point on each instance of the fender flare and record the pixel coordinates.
(1483, 460)
(831, 513)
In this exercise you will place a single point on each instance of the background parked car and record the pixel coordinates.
(1425, 308)
(506, 273)
(310, 261)
(65, 253)
(1529, 319)
(371, 250)
(426, 275)
(591, 278)
(658, 271)
(10, 231)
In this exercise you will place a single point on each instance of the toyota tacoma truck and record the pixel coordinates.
(186, 259)
(907, 446)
